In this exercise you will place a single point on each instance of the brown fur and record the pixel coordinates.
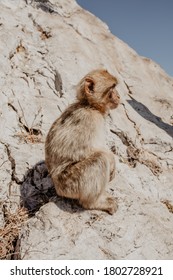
(76, 154)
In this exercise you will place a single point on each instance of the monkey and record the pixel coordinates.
(78, 160)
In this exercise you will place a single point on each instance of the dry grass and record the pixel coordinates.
(30, 137)
(10, 232)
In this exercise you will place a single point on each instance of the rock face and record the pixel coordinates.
(45, 48)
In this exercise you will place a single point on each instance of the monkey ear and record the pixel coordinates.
(89, 85)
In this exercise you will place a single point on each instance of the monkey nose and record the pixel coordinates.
(118, 96)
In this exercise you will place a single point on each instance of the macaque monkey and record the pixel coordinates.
(77, 158)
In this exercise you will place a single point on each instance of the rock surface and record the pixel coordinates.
(45, 48)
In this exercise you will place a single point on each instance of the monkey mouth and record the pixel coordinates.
(114, 105)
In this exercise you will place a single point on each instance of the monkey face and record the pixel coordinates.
(98, 90)
(113, 98)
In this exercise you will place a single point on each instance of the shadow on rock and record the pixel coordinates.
(148, 115)
(38, 189)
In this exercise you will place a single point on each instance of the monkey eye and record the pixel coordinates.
(110, 94)
(111, 88)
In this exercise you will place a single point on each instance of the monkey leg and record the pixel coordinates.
(87, 180)
(104, 202)
(105, 172)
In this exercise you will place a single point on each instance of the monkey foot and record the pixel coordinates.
(113, 206)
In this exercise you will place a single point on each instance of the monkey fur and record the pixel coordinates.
(77, 158)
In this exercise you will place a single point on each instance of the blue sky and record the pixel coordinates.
(145, 25)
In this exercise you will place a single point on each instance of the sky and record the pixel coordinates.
(145, 25)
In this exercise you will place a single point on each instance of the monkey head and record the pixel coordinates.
(98, 89)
